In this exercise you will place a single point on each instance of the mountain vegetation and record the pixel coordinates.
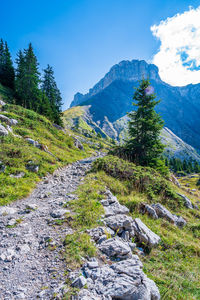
(183, 167)
(7, 72)
(30, 90)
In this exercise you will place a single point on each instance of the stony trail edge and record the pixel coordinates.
(29, 269)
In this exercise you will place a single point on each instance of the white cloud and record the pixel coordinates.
(178, 58)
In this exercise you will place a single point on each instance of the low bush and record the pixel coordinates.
(144, 180)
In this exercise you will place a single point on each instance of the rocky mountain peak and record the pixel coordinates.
(125, 70)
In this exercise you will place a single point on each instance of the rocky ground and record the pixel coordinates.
(31, 263)
(29, 267)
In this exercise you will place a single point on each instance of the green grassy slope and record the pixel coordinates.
(175, 264)
(79, 118)
(16, 152)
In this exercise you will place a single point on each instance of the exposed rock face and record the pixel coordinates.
(116, 248)
(2, 103)
(32, 167)
(146, 208)
(159, 211)
(162, 212)
(3, 131)
(8, 121)
(125, 70)
(119, 223)
(109, 129)
(123, 279)
(114, 209)
(144, 234)
(112, 97)
(187, 201)
(78, 144)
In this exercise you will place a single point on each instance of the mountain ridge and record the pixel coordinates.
(112, 97)
(120, 71)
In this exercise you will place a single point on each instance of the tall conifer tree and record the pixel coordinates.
(145, 125)
(27, 79)
(1, 59)
(7, 72)
(49, 87)
(20, 73)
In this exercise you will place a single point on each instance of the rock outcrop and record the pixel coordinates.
(123, 277)
(186, 200)
(157, 210)
(3, 131)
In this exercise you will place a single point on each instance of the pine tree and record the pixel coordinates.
(145, 125)
(1, 59)
(31, 80)
(49, 87)
(27, 79)
(7, 72)
(20, 74)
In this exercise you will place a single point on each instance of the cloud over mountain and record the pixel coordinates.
(178, 58)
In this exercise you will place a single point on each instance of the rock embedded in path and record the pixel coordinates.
(79, 282)
(144, 234)
(86, 295)
(11, 222)
(8, 255)
(59, 213)
(6, 210)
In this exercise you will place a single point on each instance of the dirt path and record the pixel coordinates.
(29, 269)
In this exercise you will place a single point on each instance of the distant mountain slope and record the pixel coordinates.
(133, 70)
(174, 146)
(80, 117)
(112, 96)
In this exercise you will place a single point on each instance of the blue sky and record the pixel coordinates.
(82, 39)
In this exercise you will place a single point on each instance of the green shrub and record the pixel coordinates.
(144, 180)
